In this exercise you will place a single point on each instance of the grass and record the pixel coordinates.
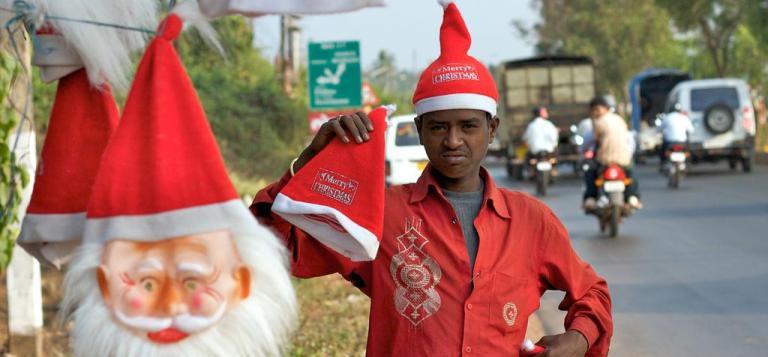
(333, 318)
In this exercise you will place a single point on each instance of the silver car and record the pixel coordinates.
(723, 119)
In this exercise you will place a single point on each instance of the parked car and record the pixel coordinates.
(723, 120)
(405, 156)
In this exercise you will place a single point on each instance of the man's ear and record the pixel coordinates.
(493, 125)
(418, 122)
(243, 279)
(101, 277)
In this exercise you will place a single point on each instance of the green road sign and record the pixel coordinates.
(334, 75)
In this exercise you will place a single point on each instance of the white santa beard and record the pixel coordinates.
(258, 326)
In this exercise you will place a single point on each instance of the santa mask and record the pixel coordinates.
(172, 288)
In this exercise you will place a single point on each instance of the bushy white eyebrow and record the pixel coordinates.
(149, 264)
(193, 268)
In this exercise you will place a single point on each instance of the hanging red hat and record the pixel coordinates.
(338, 196)
(162, 175)
(82, 121)
(455, 80)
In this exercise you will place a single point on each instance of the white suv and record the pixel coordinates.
(405, 157)
(723, 119)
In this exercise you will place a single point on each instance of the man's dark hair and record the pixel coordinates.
(599, 101)
(536, 111)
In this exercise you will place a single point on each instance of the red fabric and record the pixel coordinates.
(455, 71)
(163, 155)
(328, 180)
(423, 302)
(82, 121)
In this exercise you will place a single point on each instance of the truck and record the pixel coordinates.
(648, 92)
(562, 84)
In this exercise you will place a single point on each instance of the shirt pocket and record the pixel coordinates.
(513, 299)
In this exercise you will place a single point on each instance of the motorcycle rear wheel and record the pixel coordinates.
(674, 179)
(542, 181)
(613, 223)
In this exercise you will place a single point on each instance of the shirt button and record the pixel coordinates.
(453, 220)
(469, 306)
(468, 349)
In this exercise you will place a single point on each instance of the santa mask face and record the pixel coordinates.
(168, 290)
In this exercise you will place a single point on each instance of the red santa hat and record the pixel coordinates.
(338, 196)
(162, 175)
(455, 80)
(82, 121)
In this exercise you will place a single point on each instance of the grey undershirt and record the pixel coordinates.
(467, 205)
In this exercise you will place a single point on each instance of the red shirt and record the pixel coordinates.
(425, 301)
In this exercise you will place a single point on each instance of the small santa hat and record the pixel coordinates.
(455, 80)
(338, 196)
(82, 121)
(162, 175)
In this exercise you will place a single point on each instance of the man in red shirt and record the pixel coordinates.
(462, 263)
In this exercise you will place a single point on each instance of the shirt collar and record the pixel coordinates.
(491, 194)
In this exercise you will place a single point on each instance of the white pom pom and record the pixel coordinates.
(445, 3)
(391, 108)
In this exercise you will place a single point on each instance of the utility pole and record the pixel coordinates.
(289, 57)
(23, 281)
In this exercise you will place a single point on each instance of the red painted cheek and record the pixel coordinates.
(136, 303)
(197, 300)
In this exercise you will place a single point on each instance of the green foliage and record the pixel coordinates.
(714, 24)
(43, 95)
(13, 177)
(258, 127)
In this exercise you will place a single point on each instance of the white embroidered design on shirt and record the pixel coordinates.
(416, 275)
(510, 313)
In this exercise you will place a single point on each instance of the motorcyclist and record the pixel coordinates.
(584, 129)
(676, 128)
(612, 140)
(541, 135)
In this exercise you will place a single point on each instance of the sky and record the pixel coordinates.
(409, 29)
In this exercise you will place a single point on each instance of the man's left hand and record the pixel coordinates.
(568, 344)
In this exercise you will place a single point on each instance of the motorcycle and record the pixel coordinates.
(676, 164)
(611, 208)
(541, 166)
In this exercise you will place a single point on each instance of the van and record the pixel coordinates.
(405, 156)
(723, 119)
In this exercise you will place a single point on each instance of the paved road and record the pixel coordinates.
(689, 273)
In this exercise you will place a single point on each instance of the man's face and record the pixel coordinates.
(597, 111)
(456, 140)
(166, 290)
(544, 113)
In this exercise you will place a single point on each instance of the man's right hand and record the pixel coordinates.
(347, 127)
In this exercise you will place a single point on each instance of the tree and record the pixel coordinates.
(13, 175)
(259, 129)
(715, 21)
(392, 85)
